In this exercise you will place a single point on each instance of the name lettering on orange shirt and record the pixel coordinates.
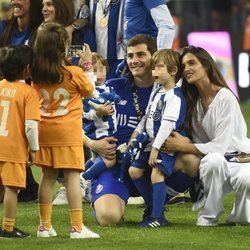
(8, 92)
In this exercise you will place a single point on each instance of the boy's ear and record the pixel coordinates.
(174, 71)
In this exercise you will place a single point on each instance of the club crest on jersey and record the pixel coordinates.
(156, 115)
(99, 189)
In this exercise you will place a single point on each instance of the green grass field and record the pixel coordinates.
(182, 234)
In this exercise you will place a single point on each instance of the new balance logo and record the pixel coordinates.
(123, 102)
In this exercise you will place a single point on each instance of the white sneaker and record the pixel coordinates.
(44, 232)
(135, 200)
(61, 197)
(83, 234)
(202, 222)
(86, 189)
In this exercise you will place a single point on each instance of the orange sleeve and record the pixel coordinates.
(32, 110)
(85, 86)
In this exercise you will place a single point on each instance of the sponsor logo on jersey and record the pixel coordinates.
(123, 102)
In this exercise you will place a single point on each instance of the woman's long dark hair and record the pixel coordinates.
(36, 19)
(190, 91)
(64, 11)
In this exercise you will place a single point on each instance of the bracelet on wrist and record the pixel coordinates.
(87, 65)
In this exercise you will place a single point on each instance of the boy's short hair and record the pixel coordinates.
(171, 58)
(13, 60)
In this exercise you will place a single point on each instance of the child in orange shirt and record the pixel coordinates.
(61, 88)
(19, 116)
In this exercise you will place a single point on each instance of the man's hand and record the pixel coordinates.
(105, 147)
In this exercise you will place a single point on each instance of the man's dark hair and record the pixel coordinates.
(143, 39)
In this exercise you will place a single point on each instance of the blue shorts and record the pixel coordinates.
(108, 183)
(166, 166)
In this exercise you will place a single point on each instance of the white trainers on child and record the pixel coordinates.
(135, 201)
(60, 198)
(86, 189)
(83, 234)
(44, 232)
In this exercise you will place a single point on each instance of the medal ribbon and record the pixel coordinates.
(105, 7)
(136, 102)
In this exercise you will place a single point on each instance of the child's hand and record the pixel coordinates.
(105, 110)
(85, 56)
(133, 136)
(31, 159)
(153, 158)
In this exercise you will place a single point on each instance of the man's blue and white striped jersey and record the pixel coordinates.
(109, 38)
(95, 127)
(164, 106)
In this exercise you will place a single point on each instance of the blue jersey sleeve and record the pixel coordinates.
(152, 4)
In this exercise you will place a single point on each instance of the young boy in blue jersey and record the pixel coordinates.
(99, 123)
(165, 112)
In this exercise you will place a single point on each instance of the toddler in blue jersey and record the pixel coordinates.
(165, 112)
(99, 123)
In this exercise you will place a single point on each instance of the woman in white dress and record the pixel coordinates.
(219, 143)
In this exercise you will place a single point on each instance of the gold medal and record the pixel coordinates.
(104, 21)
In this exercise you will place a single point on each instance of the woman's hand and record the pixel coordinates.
(174, 142)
